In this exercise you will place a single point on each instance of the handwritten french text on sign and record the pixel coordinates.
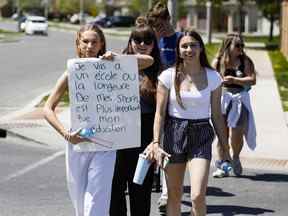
(104, 95)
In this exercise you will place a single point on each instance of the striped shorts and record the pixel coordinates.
(186, 139)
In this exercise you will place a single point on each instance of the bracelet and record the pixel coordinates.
(155, 141)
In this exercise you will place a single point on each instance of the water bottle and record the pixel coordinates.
(87, 132)
(224, 165)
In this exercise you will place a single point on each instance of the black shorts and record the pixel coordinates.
(186, 139)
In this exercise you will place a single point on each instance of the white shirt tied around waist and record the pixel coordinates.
(238, 100)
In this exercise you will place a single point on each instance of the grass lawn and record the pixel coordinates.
(8, 36)
(211, 50)
(280, 66)
(261, 39)
(270, 45)
(63, 102)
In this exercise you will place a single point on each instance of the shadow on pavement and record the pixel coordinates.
(230, 210)
(211, 191)
(268, 177)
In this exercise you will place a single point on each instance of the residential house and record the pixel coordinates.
(226, 18)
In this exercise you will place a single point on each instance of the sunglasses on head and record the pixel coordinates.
(139, 40)
(239, 45)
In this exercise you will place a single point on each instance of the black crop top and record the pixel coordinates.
(239, 72)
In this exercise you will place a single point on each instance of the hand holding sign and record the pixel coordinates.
(104, 95)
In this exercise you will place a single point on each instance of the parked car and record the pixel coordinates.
(36, 24)
(102, 21)
(120, 21)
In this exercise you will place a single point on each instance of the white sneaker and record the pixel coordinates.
(219, 173)
(162, 203)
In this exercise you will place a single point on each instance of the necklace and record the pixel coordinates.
(195, 77)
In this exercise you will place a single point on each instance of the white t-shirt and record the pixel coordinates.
(197, 104)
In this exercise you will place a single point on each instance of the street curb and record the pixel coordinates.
(35, 102)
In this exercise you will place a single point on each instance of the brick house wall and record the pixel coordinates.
(284, 28)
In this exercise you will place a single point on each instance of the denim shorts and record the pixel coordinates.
(186, 139)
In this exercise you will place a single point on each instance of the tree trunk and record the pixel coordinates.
(271, 27)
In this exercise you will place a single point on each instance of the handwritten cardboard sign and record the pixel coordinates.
(104, 95)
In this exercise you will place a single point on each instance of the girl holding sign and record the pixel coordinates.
(190, 94)
(142, 41)
(89, 174)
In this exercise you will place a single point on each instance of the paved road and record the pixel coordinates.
(31, 65)
(32, 182)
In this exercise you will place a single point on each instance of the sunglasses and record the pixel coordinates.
(139, 40)
(239, 45)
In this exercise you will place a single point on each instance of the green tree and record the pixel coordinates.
(91, 8)
(139, 7)
(271, 10)
(30, 5)
(182, 10)
(68, 6)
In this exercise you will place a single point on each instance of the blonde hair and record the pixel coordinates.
(90, 27)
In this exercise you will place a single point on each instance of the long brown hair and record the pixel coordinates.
(90, 27)
(179, 61)
(223, 56)
(148, 84)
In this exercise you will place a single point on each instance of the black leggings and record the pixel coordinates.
(126, 161)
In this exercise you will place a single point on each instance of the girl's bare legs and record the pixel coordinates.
(174, 178)
(223, 151)
(199, 173)
(224, 159)
(236, 141)
(237, 145)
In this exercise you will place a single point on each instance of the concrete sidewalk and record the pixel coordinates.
(272, 131)
(269, 115)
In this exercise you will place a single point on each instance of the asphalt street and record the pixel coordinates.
(32, 182)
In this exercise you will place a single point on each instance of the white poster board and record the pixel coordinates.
(104, 95)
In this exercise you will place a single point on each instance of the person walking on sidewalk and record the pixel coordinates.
(142, 40)
(238, 73)
(191, 93)
(158, 18)
(89, 174)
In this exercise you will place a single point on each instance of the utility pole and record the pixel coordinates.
(46, 4)
(172, 7)
(19, 14)
(208, 21)
(81, 14)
